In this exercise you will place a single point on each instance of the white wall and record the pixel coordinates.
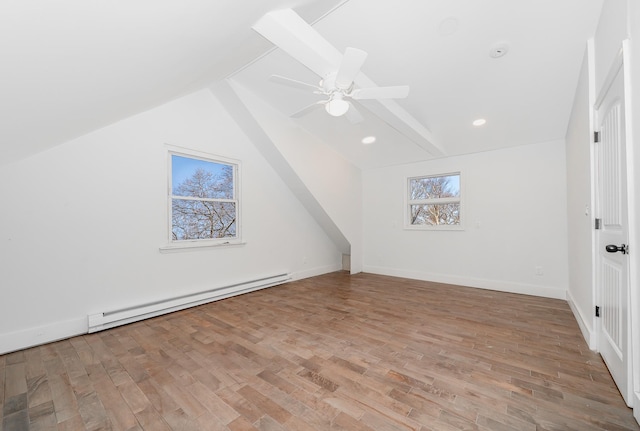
(333, 181)
(514, 215)
(579, 208)
(81, 225)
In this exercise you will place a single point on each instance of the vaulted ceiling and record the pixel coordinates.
(73, 66)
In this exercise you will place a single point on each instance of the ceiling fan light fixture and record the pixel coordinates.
(337, 106)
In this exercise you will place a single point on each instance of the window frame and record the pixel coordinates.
(203, 242)
(408, 202)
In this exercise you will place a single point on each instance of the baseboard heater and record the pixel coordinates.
(111, 319)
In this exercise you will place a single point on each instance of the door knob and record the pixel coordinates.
(611, 248)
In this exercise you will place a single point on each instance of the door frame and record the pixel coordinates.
(633, 180)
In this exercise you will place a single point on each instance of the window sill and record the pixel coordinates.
(435, 228)
(192, 245)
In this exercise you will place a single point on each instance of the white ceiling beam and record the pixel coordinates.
(289, 32)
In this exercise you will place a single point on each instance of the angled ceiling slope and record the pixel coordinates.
(71, 66)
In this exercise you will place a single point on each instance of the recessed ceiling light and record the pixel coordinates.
(479, 122)
(368, 140)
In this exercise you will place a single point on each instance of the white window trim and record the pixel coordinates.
(408, 202)
(187, 245)
(193, 245)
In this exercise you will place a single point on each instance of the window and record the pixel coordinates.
(434, 201)
(203, 200)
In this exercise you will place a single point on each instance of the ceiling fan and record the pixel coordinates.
(288, 31)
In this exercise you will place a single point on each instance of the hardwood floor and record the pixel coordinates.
(334, 352)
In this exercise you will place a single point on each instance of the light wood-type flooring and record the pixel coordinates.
(334, 352)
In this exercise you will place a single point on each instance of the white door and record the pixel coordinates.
(612, 260)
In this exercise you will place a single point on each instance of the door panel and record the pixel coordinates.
(613, 267)
(612, 306)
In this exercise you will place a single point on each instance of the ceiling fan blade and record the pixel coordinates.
(307, 109)
(289, 32)
(396, 92)
(353, 115)
(350, 66)
(292, 82)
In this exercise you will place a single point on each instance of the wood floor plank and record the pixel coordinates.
(38, 391)
(93, 413)
(64, 400)
(42, 417)
(241, 424)
(213, 403)
(266, 405)
(161, 401)
(333, 352)
(15, 381)
(150, 419)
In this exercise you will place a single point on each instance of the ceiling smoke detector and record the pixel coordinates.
(499, 50)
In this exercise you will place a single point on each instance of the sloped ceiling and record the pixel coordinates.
(72, 66)
(69, 67)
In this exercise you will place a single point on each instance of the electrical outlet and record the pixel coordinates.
(539, 271)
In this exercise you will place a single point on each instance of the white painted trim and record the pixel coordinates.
(595, 294)
(632, 231)
(408, 202)
(178, 247)
(611, 76)
(172, 245)
(498, 285)
(312, 272)
(25, 338)
(588, 334)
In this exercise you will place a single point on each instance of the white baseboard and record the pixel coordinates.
(636, 406)
(502, 286)
(587, 332)
(307, 273)
(25, 338)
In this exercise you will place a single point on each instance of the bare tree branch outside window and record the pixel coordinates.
(203, 204)
(434, 201)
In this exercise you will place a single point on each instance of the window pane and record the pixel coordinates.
(435, 187)
(200, 178)
(434, 215)
(202, 219)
